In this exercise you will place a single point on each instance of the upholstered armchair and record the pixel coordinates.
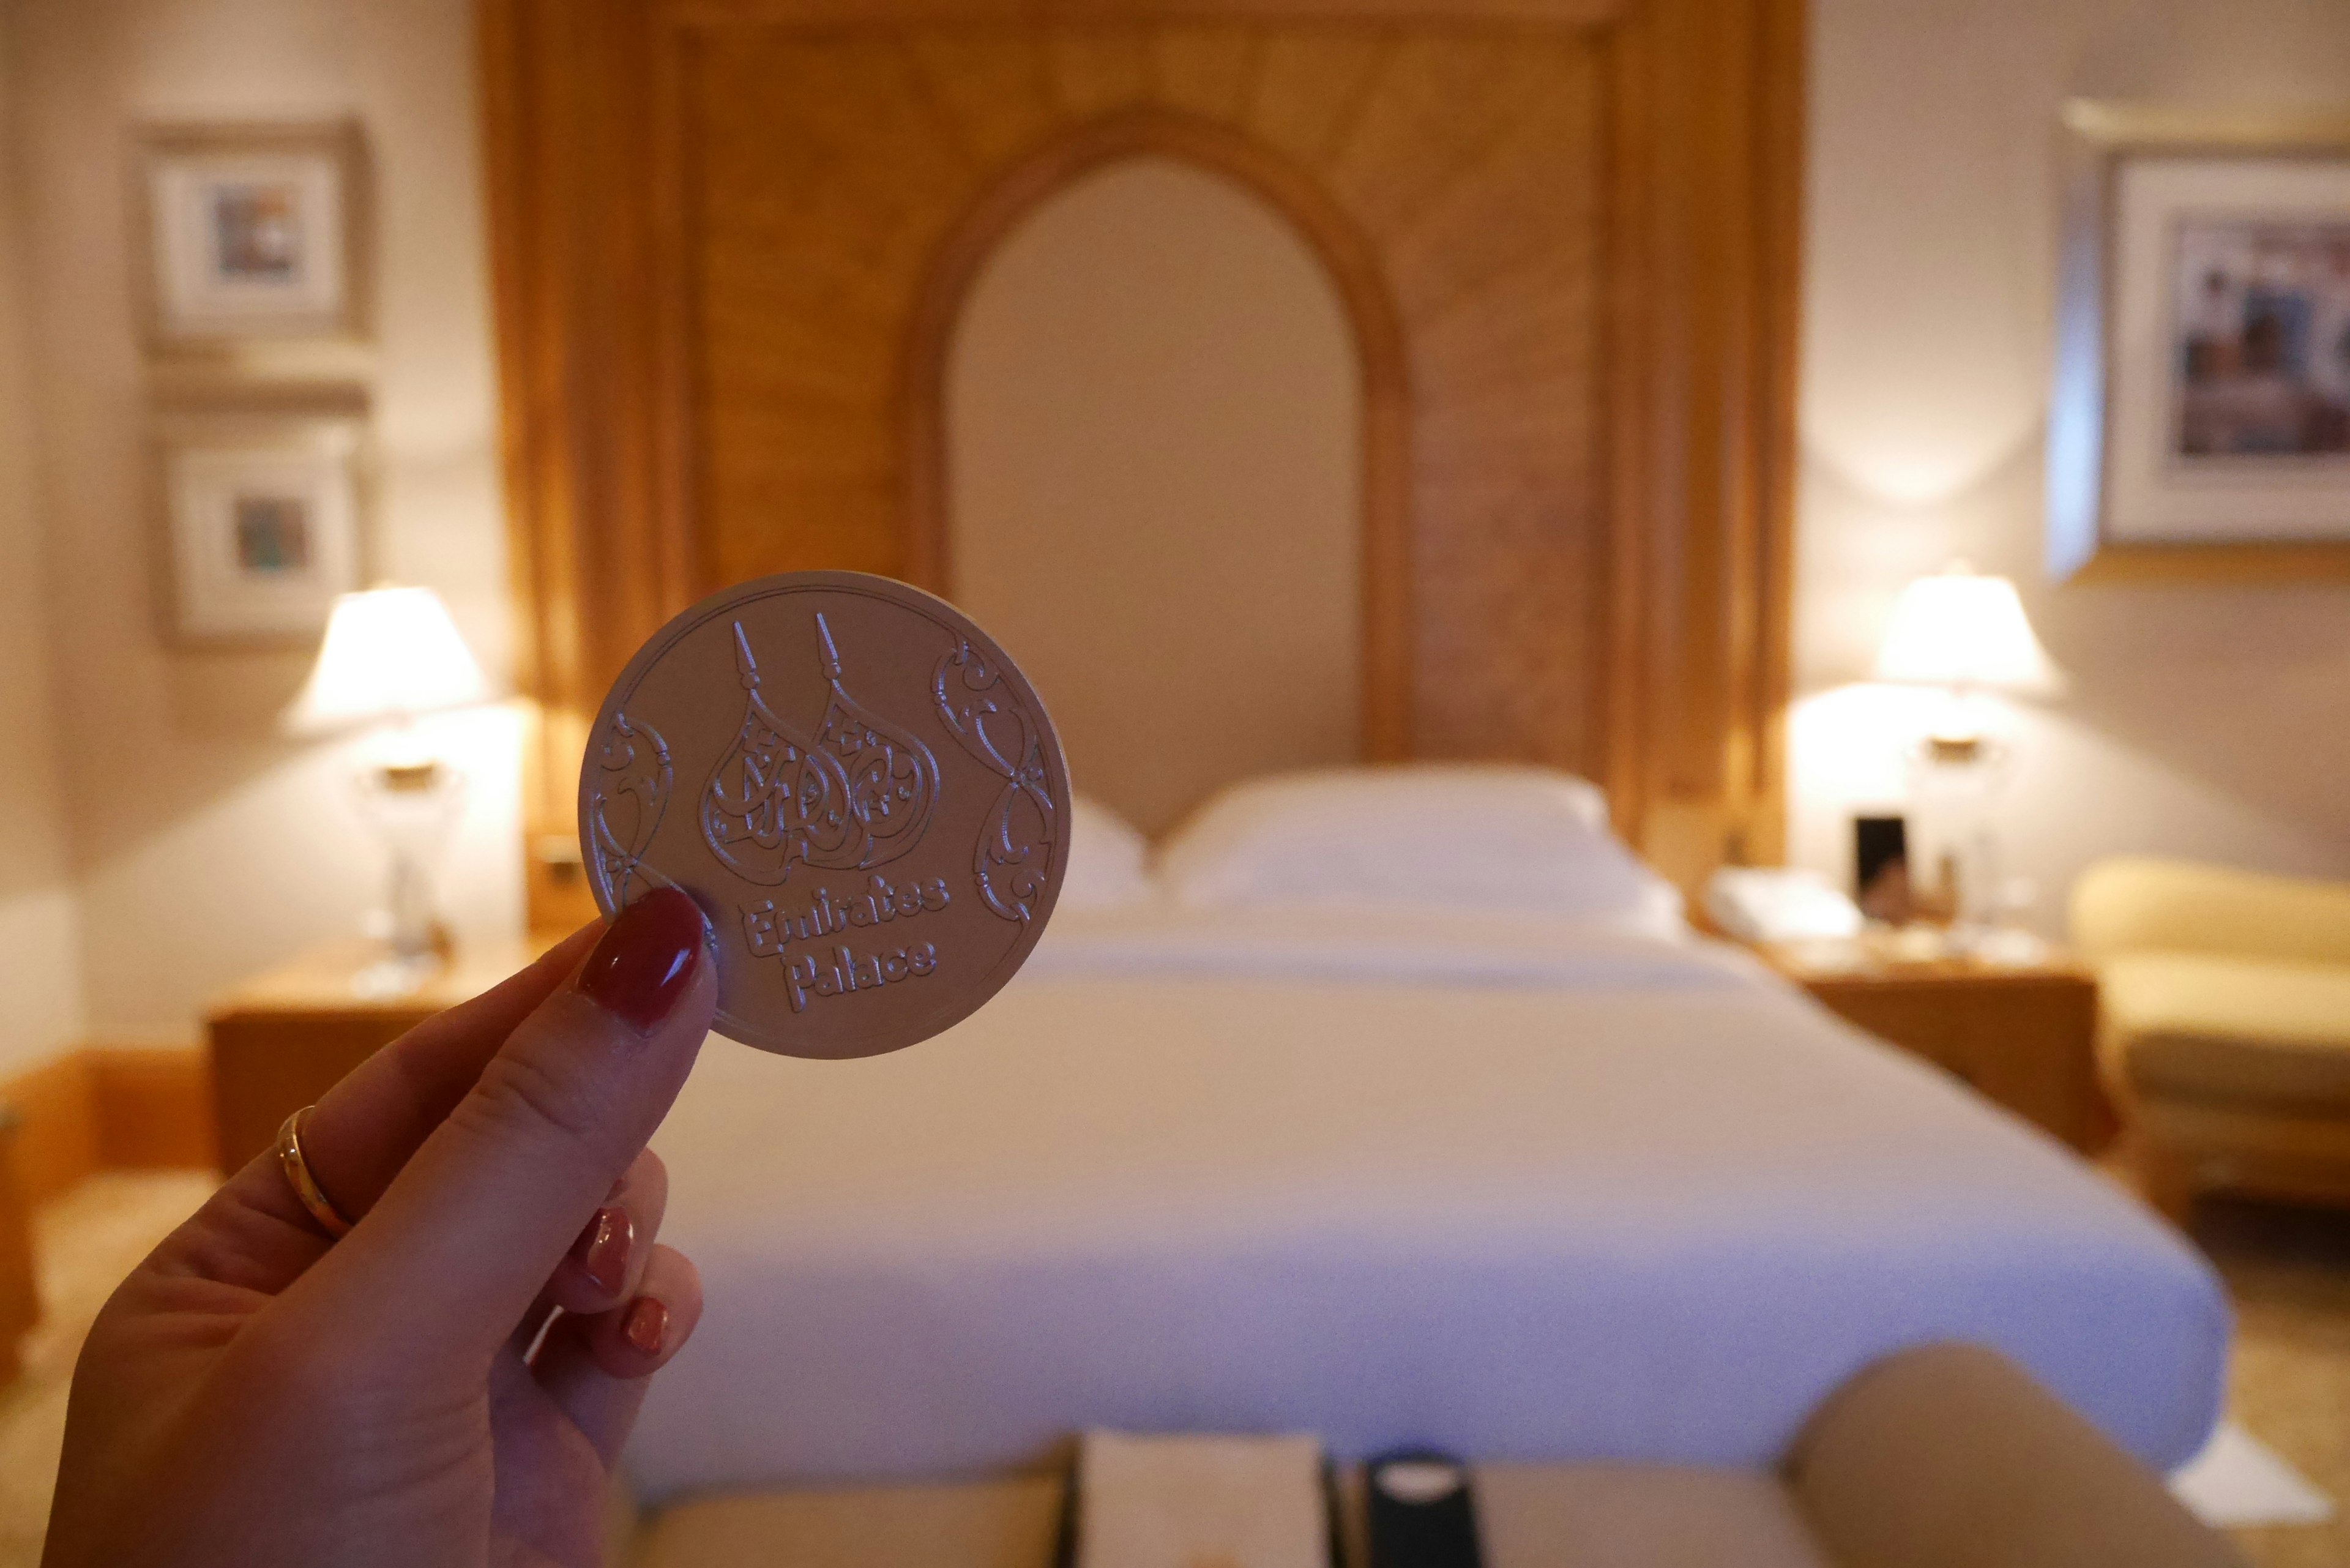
(2225, 1035)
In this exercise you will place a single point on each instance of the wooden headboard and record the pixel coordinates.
(731, 237)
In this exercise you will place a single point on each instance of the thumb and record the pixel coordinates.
(463, 1238)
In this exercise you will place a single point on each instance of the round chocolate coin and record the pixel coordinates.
(858, 787)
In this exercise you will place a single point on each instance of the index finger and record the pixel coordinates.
(365, 1126)
(465, 1237)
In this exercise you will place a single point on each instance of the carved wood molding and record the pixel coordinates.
(1352, 267)
(1352, 13)
(1450, 177)
(1575, 554)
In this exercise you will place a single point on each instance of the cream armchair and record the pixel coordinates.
(2225, 1036)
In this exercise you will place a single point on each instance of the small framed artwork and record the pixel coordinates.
(2202, 410)
(252, 231)
(263, 523)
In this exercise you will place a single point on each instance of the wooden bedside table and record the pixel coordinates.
(282, 1039)
(2021, 1034)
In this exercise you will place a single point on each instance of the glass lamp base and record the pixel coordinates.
(413, 807)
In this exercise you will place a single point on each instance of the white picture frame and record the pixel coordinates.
(252, 232)
(264, 526)
(2200, 413)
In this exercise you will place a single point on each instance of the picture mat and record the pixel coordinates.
(216, 593)
(194, 297)
(2152, 495)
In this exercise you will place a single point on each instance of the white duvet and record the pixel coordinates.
(1500, 1187)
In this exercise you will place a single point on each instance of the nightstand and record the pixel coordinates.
(282, 1039)
(2023, 1034)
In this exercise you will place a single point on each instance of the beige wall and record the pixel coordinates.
(1154, 418)
(40, 961)
(2202, 719)
(205, 845)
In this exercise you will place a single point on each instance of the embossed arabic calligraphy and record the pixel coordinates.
(859, 793)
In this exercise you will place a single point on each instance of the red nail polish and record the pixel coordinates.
(646, 959)
(646, 1327)
(602, 1249)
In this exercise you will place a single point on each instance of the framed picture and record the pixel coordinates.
(252, 231)
(2201, 410)
(262, 524)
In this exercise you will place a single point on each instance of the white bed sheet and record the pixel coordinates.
(1510, 1190)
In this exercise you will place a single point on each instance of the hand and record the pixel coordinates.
(255, 1393)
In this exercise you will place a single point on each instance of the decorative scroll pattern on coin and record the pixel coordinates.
(776, 795)
(624, 811)
(892, 778)
(980, 711)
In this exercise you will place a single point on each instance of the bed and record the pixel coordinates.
(1518, 1176)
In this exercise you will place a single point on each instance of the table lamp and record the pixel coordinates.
(390, 655)
(1965, 633)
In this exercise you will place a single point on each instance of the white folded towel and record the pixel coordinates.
(1200, 1502)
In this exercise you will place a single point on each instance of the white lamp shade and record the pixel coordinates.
(1958, 627)
(389, 653)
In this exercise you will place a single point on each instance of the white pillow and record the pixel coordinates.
(1107, 859)
(1498, 837)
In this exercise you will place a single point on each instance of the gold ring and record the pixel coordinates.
(305, 1187)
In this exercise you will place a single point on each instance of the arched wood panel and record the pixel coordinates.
(1352, 267)
(847, 181)
(732, 235)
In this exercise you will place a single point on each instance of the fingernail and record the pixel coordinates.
(602, 1249)
(646, 1327)
(646, 959)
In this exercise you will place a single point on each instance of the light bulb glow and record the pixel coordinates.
(1960, 629)
(389, 655)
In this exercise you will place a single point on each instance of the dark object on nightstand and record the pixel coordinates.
(1880, 859)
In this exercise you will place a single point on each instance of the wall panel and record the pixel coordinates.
(1562, 232)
